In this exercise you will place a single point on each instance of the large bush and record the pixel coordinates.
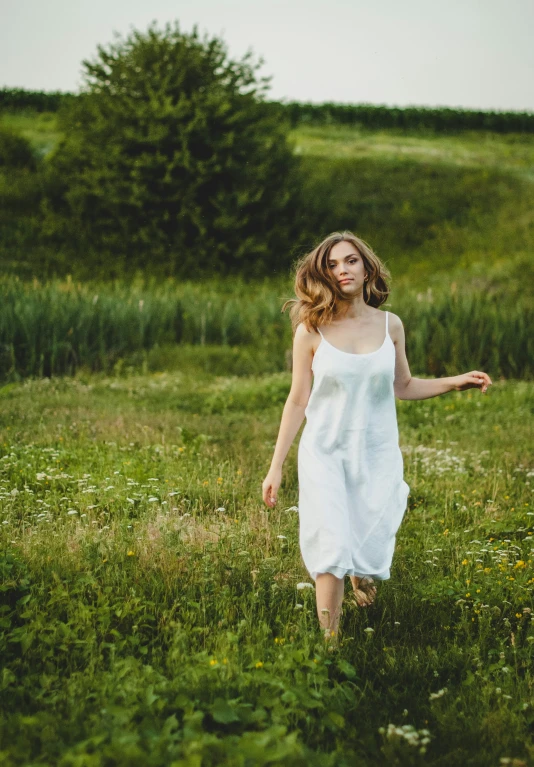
(172, 155)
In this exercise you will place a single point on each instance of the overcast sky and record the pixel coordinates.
(462, 53)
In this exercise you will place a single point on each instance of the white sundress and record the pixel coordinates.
(352, 495)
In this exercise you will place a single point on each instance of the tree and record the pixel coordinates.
(173, 160)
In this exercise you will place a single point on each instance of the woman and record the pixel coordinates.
(352, 495)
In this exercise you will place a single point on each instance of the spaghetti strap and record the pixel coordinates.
(387, 317)
(319, 332)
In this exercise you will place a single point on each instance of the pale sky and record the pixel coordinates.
(476, 54)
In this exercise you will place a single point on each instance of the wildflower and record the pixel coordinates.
(301, 586)
(465, 562)
(438, 694)
(219, 479)
(369, 630)
(213, 662)
(71, 512)
(225, 661)
(131, 554)
(518, 615)
(259, 664)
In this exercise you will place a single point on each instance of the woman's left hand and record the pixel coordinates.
(473, 380)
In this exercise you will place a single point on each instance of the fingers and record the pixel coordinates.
(269, 496)
(481, 379)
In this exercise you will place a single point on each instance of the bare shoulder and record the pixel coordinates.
(395, 327)
(306, 339)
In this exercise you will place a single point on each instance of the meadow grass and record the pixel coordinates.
(150, 610)
(512, 152)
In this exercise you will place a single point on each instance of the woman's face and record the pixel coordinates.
(346, 267)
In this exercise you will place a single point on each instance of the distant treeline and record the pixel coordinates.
(37, 101)
(409, 118)
(362, 115)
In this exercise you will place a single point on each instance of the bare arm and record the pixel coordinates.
(293, 412)
(407, 387)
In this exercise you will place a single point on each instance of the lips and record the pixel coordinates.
(341, 282)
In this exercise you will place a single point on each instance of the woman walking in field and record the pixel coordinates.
(352, 495)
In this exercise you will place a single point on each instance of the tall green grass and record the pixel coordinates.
(58, 327)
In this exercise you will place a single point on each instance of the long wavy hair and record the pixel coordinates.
(319, 296)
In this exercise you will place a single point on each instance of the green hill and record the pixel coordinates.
(429, 203)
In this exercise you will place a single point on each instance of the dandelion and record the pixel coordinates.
(465, 562)
(213, 662)
(259, 664)
(131, 553)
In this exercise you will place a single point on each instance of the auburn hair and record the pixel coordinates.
(319, 295)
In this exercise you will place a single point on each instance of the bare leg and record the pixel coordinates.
(329, 595)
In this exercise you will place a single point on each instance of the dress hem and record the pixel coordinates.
(342, 572)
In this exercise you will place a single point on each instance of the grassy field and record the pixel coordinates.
(512, 152)
(152, 609)
(454, 207)
(150, 604)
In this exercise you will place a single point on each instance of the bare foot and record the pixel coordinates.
(364, 590)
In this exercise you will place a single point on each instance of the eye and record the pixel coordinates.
(351, 261)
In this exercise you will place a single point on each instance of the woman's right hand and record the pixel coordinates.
(270, 486)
